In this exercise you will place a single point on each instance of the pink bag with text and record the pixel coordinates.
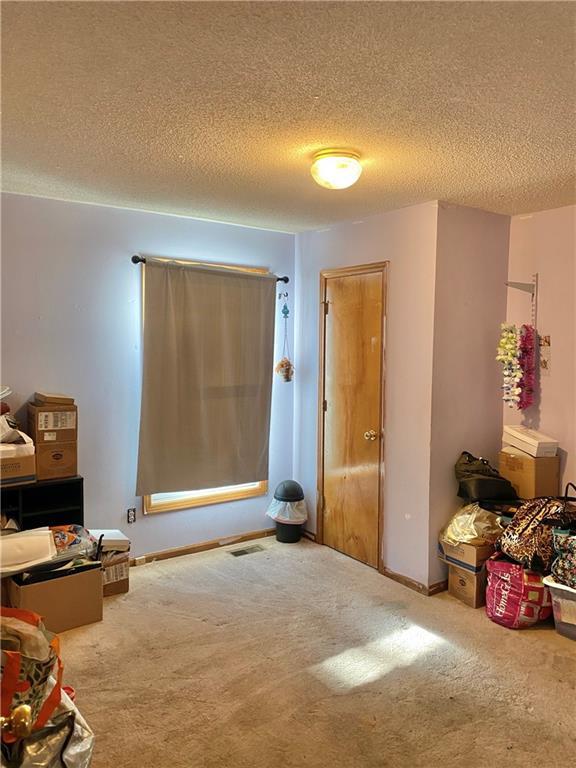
(515, 596)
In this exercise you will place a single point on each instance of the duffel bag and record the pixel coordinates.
(479, 481)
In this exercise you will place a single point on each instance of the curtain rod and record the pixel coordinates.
(141, 260)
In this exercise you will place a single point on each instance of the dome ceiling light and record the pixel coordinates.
(336, 168)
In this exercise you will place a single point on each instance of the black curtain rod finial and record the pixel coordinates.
(141, 260)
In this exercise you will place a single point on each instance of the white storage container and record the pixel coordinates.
(564, 606)
(528, 440)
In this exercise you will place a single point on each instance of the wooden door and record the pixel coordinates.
(351, 410)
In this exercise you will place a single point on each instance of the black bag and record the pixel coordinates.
(479, 481)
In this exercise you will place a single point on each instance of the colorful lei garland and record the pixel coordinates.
(516, 352)
(527, 357)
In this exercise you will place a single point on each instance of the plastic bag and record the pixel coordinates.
(73, 538)
(515, 597)
(29, 655)
(66, 741)
(78, 752)
(294, 512)
(473, 525)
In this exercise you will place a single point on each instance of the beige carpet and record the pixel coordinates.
(297, 656)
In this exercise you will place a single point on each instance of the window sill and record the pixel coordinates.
(204, 499)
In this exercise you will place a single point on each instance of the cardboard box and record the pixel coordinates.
(64, 602)
(56, 460)
(115, 557)
(465, 556)
(52, 423)
(468, 587)
(53, 397)
(530, 476)
(116, 573)
(17, 470)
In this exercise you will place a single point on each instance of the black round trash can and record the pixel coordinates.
(288, 533)
(290, 491)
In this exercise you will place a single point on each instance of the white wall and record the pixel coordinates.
(545, 243)
(406, 238)
(71, 323)
(470, 305)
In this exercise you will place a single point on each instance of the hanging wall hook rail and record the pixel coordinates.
(532, 289)
(136, 259)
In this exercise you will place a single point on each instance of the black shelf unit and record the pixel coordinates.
(47, 502)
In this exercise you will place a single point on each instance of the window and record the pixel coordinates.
(170, 502)
(219, 384)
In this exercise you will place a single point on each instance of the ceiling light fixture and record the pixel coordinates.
(336, 168)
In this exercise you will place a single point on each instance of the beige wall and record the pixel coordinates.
(545, 243)
(406, 238)
(470, 305)
(446, 300)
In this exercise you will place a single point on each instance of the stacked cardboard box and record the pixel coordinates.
(466, 570)
(17, 462)
(530, 461)
(53, 425)
(114, 553)
(531, 476)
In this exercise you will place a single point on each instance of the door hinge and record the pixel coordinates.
(324, 405)
(326, 307)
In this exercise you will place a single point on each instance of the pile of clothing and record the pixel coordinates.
(533, 539)
(539, 540)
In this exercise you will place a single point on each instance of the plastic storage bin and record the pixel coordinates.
(564, 606)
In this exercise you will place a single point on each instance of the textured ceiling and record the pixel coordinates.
(213, 109)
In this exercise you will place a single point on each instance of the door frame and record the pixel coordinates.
(325, 275)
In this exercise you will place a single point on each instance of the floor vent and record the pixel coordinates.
(246, 550)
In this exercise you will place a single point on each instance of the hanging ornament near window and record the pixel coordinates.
(285, 367)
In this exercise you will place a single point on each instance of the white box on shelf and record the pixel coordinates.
(529, 440)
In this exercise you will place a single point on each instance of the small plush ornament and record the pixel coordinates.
(285, 369)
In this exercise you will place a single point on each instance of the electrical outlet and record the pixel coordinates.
(131, 515)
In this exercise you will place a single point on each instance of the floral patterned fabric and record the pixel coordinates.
(564, 567)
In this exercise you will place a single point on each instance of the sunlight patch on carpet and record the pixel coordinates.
(365, 664)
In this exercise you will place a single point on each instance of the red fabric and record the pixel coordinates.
(515, 596)
(20, 613)
(10, 675)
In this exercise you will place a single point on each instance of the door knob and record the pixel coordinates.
(370, 435)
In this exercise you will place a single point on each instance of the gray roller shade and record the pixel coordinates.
(207, 377)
